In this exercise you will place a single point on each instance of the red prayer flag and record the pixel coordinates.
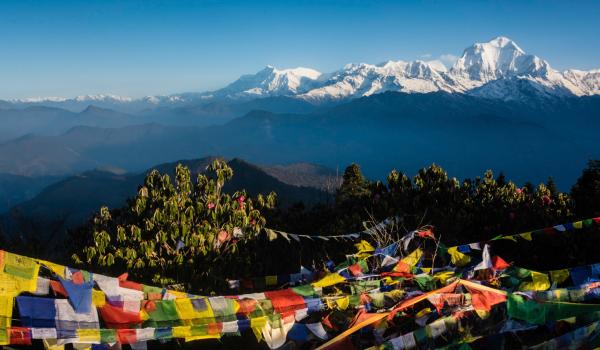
(149, 305)
(355, 270)
(485, 299)
(58, 288)
(77, 277)
(402, 267)
(426, 234)
(126, 336)
(285, 300)
(215, 328)
(130, 285)
(124, 283)
(20, 336)
(246, 306)
(116, 317)
(498, 263)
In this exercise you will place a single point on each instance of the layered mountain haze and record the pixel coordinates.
(380, 132)
(51, 121)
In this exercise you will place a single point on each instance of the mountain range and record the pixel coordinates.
(466, 134)
(497, 69)
(496, 108)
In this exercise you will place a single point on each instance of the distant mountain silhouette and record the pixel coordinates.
(465, 134)
(44, 120)
(68, 203)
(15, 189)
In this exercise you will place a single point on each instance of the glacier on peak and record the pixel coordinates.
(270, 81)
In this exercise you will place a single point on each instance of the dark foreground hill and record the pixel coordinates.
(70, 202)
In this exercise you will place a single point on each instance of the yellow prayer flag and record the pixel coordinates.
(6, 308)
(423, 312)
(51, 344)
(413, 258)
(21, 266)
(443, 276)
(343, 303)
(539, 281)
(388, 281)
(364, 249)
(272, 235)
(98, 298)
(91, 335)
(458, 258)
(182, 332)
(271, 280)
(201, 314)
(559, 276)
(82, 346)
(19, 274)
(258, 322)
(258, 334)
(14, 285)
(329, 280)
(526, 236)
(578, 225)
(364, 246)
(202, 337)
(177, 294)
(4, 336)
(144, 315)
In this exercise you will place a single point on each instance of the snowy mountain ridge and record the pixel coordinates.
(497, 69)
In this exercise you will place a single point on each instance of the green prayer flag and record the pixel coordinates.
(108, 335)
(542, 312)
(306, 290)
(162, 314)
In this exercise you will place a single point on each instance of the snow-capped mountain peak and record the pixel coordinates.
(103, 97)
(497, 58)
(503, 42)
(80, 98)
(271, 81)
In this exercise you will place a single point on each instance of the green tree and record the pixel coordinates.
(177, 234)
(586, 191)
(354, 184)
(551, 185)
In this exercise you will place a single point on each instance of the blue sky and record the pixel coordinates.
(136, 48)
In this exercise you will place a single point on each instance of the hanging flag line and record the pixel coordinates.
(576, 225)
(306, 275)
(571, 226)
(274, 234)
